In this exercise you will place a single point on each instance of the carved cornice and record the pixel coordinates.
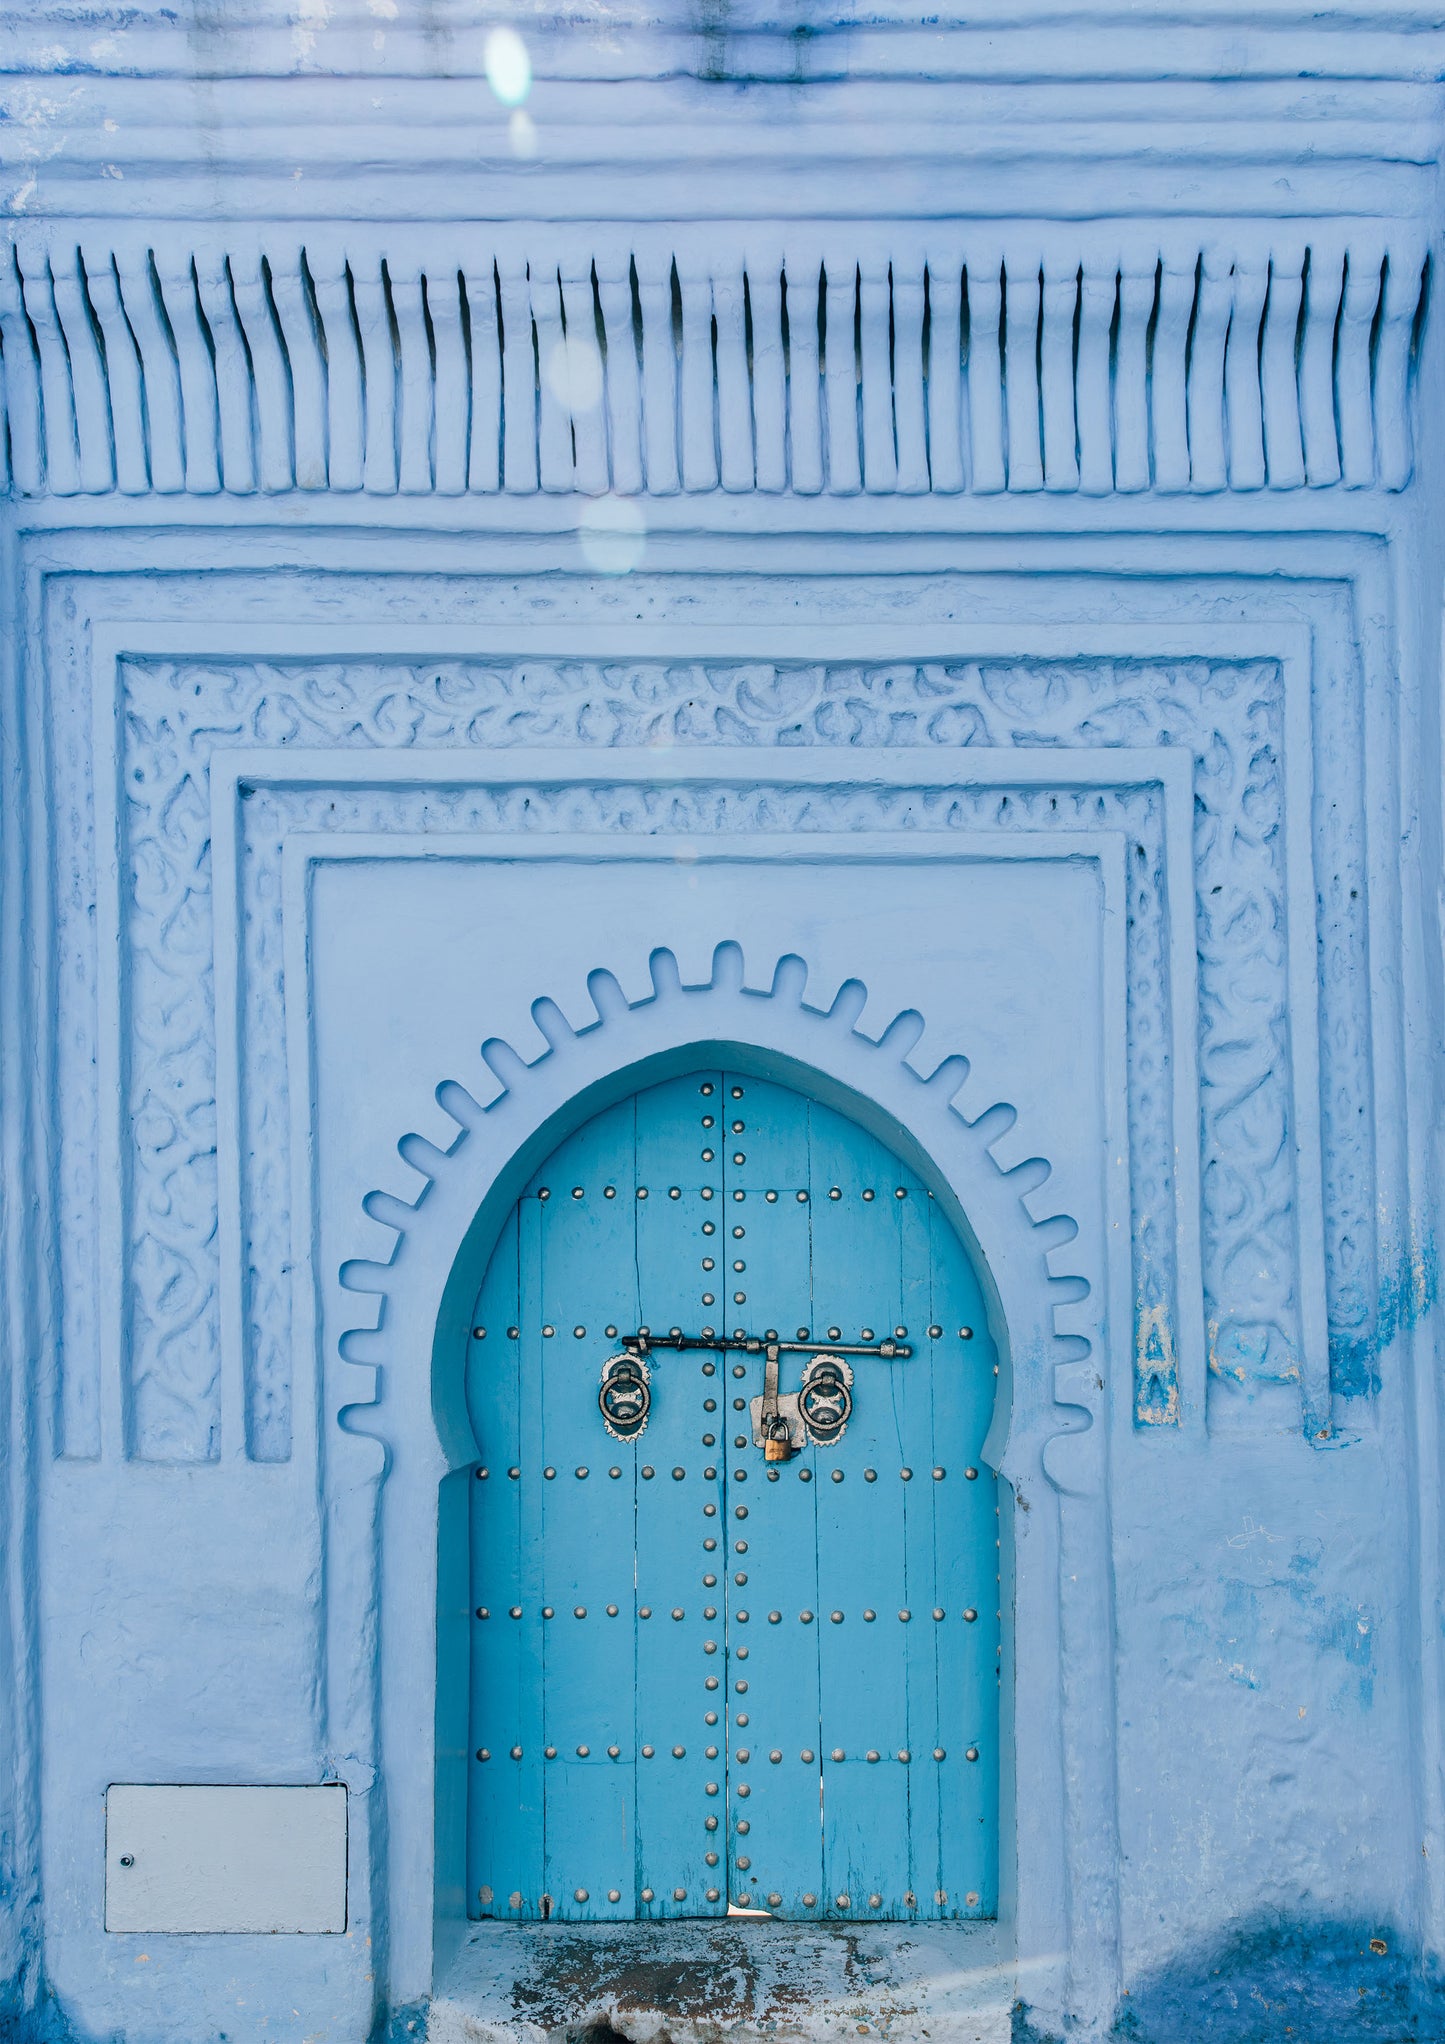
(905, 359)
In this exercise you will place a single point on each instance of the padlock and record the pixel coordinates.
(778, 1446)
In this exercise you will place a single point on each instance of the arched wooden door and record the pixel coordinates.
(702, 1678)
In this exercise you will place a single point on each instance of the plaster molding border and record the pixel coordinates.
(111, 644)
(992, 357)
(1050, 1418)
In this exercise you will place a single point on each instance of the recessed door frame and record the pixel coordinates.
(1058, 1907)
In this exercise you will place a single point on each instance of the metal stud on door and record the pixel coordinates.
(734, 1566)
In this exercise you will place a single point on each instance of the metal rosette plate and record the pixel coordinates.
(624, 1395)
(825, 1399)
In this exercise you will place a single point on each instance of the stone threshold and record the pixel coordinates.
(724, 1982)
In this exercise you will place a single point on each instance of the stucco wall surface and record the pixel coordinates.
(909, 549)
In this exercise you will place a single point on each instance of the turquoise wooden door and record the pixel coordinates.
(701, 1678)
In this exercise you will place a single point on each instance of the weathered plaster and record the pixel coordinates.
(328, 594)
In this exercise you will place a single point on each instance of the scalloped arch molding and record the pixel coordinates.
(1050, 1286)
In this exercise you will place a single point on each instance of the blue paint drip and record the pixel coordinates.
(1407, 1293)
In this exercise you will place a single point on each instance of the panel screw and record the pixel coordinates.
(479, 1334)
(870, 1616)
(937, 1612)
(482, 1475)
(970, 1614)
(810, 1901)
(612, 1753)
(710, 1788)
(579, 1332)
(648, 1470)
(612, 1611)
(547, 1611)
(938, 1475)
(514, 1474)
(647, 1894)
(774, 1617)
(679, 1894)
(514, 1901)
(875, 1901)
(642, 1192)
(516, 1611)
(648, 1751)
(837, 1476)
(549, 1474)
(972, 1753)
(483, 1612)
(678, 1752)
(871, 1755)
(870, 1475)
(549, 1753)
(614, 1894)
(939, 1754)
(482, 1753)
(677, 1612)
(837, 1753)
(513, 1332)
(934, 1333)
(713, 1895)
(971, 1474)
(805, 1617)
(579, 1611)
(911, 1899)
(775, 1756)
(972, 1900)
(545, 1193)
(904, 1755)
(516, 1752)
(614, 1471)
(644, 1611)
(774, 1901)
(835, 1333)
(549, 1330)
(965, 1334)
(836, 1616)
(842, 1901)
(906, 1475)
(905, 1616)
(127, 1859)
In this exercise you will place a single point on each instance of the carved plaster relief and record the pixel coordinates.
(1227, 714)
(1015, 358)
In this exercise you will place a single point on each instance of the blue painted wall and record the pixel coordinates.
(908, 551)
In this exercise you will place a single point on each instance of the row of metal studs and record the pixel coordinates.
(710, 1612)
(834, 1333)
(675, 1191)
(739, 1475)
(743, 1754)
(910, 1901)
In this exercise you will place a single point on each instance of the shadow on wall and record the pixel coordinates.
(1312, 1982)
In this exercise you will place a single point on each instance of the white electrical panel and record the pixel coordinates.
(225, 1859)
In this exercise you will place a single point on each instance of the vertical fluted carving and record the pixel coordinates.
(943, 373)
(804, 287)
(1093, 398)
(880, 459)
(985, 374)
(659, 375)
(734, 396)
(344, 423)
(750, 367)
(1023, 283)
(484, 445)
(764, 286)
(1207, 469)
(841, 373)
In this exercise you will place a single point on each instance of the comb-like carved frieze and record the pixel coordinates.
(867, 360)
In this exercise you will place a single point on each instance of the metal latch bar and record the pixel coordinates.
(757, 1345)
